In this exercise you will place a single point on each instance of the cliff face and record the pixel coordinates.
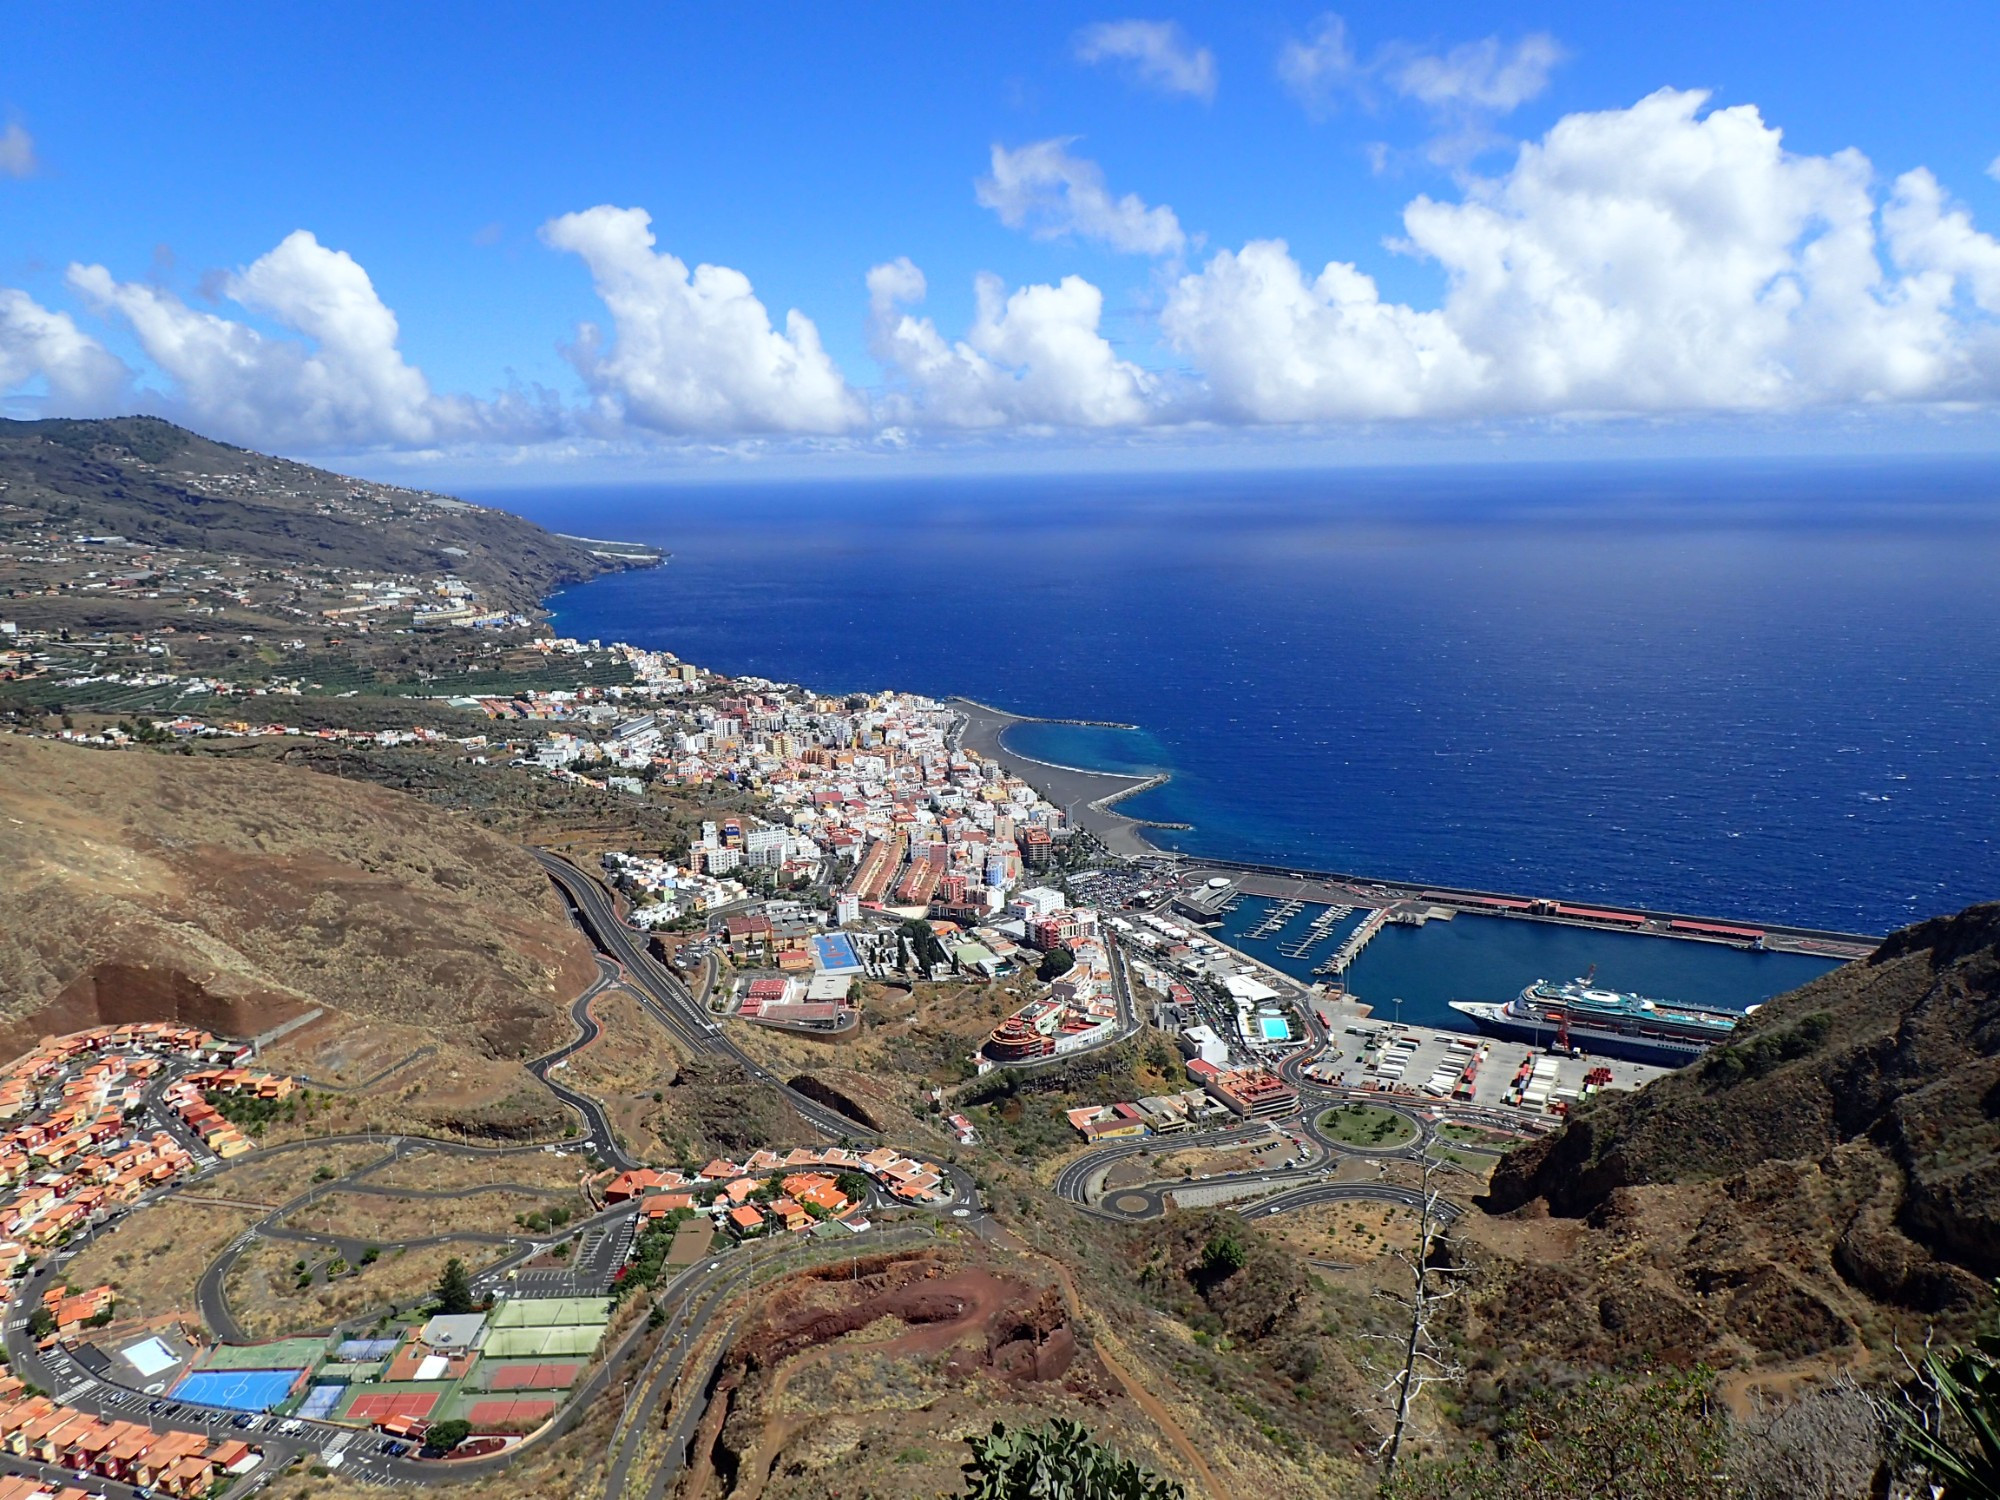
(1900, 1053)
(1829, 1179)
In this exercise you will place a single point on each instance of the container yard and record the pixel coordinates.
(1429, 1065)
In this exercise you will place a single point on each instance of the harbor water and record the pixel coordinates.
(1474, 957)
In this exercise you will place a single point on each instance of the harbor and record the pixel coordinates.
(1418, 956)
(1419, 953)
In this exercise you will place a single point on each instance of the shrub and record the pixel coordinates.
(1058, 1462)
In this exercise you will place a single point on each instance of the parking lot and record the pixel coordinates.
(1365, 1052)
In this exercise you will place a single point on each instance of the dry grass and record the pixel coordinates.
(155, 1257)
(365, 1216)
(630, 1061)
(232, 893)
(435, 1170)
(1354, 1233)
(263, 1291)
(1216, 1161)
(276, 1180)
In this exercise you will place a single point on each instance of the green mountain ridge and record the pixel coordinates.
(158, 485)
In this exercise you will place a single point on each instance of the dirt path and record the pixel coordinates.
(1155, 1410)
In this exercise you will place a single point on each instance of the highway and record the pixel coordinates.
(603, 1241)
(688, 1303)
(668, 1000)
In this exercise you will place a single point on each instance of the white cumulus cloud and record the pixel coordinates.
(17, 151)
(1322, 67)
(1652, 259)
(344, 384)
(1157, 53)
(1042, 188)
(693, 351)
(1034, 356)
(81, 376)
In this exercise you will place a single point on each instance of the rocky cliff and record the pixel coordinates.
(1830, 1178)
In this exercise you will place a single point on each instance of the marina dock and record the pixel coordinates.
(1350, 950)
(1200, 897)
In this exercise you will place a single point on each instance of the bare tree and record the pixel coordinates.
(1423, 1358)
(1831, 1443)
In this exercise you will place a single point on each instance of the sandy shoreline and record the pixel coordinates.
(1079, 793)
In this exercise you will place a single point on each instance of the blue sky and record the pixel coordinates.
(374, 232)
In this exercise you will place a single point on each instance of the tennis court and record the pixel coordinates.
(283, 1354)
(239, 1390)
(381, 1406)
(518, 1414)
(358, 1350)
(320, 1401)
(549, 1312)
(531, 1375)
(543, 1343)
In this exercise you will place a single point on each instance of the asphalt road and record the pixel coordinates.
(667, 1000)
(603, 1242)
(1078, 1182)
(598, 1133)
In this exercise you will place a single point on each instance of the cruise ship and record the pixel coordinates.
(1605, 1023)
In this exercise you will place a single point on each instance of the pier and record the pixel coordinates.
(1275, 919)
(1275, 883)
(1358, 939)
(1316, 934)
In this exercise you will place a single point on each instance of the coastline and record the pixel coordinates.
(1088, 798)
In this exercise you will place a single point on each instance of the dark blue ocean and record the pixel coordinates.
(1767, 691)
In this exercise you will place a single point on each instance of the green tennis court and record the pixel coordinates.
(550, 1312)
(542, 1343)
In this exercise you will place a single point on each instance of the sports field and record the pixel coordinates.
(547, 1312)
(358, 1350)
(501, 1414)
(239, 1390)
(379, 1406)
(529, 1375)
(543, 1343)
(282, 1354)
(320, 1401)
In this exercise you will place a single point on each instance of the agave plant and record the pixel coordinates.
(1962, 1447)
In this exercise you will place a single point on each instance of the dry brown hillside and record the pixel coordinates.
(1826, 1183)
(142, 884)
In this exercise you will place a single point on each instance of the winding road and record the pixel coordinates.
(667, 999)
(687, 1304)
